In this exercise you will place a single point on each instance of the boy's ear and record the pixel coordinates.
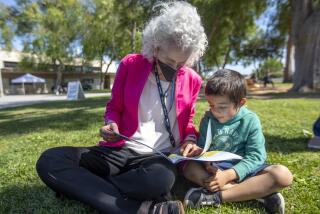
(243, 101)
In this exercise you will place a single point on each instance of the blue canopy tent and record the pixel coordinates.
(28, 78)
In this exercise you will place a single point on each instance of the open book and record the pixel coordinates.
(205, 156)
(211, 156)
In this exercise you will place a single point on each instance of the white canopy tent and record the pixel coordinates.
(28, 78)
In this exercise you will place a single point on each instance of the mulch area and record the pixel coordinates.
(280, 92)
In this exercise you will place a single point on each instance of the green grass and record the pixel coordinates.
(27, 131)
(98, 91)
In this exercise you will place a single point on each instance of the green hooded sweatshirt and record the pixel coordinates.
(241, 135)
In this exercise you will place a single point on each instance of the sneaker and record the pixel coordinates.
(167, 207)
(273, 203)
(197, 197)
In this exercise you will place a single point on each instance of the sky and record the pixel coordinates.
(17, 44)
(8, 2)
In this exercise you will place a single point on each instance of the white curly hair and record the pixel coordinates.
(178, 24)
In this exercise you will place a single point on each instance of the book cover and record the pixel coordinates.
(314, 143)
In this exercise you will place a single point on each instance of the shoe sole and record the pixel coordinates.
(166, 210)
(187, 203)
(281, 209)
(282, 204)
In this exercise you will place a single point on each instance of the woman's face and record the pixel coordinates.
(173, 57)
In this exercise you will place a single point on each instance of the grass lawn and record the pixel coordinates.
(98, 91)
(27, 131)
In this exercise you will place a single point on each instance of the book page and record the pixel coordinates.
(207, 156)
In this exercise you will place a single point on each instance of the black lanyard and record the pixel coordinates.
(164, 109)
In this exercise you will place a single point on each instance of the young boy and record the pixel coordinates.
(234, 129)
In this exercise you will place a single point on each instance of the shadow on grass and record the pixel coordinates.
(77, 117)
(40, 199)
(182, 185)
(37, 199)
(287, 145)
(285, 95)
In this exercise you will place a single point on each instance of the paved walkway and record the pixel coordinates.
(22, 100)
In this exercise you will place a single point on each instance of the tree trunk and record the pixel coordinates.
(101, 74)
(59, 68)
(59, 75)
(133, 37)
(1, 86)
(199, 67)
(110, 62)
(196, 67)
(306, 31)
(289, 68)
(226, 57)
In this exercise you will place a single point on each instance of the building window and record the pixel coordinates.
(87, 81)
(10, 64)
(91, 69)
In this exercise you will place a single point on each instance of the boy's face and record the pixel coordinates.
(222, 108)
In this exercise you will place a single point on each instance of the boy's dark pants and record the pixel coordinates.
(112, 180)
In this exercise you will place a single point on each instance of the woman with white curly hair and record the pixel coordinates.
(153, 101)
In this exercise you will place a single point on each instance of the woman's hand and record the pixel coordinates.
(190, 149)
(106, 132)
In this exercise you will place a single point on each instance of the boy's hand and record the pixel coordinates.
(106, 132)
(221, 178)
(190, 149)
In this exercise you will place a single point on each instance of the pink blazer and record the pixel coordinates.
(130, 79)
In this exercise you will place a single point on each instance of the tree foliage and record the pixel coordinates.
(272, 67)
(112, 29)
(99, 36)
(49, 29)
(6, 27)
(228, 24)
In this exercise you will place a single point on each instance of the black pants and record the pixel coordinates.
(111, 180)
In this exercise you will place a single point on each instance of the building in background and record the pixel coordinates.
(89, 76)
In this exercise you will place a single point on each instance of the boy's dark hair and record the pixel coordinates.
(225, 82)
